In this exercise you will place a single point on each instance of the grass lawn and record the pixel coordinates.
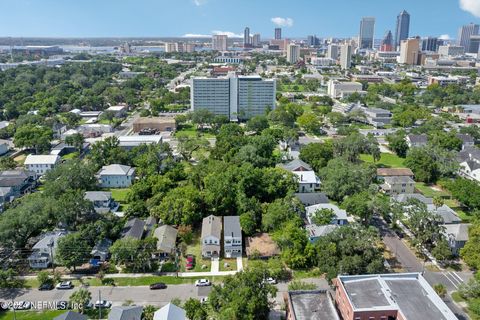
(20, 159)
(289, 88)
(70, 156)
(195, 248)
(231, 262)
(387, 160)
(120, 195)
(191, 131)
(429, 192)
(31, 315)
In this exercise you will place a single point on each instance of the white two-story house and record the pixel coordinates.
(116, 176)
(308, 181)
(211, 236)
(41, 164)
(232, 237)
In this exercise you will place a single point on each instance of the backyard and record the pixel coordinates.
(387, 160)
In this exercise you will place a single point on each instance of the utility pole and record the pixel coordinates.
(51, 244)
(100, 307)
(14, 313)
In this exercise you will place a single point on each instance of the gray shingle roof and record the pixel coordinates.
(458, 231)
(312, 198)
(167, 238)
(170, 312)
(71, 315)
(116, 170)
(134, 228)
(97, 195)
(296, 165)
(417, 138)
(212, 226)
(126, 313)
(231, 226)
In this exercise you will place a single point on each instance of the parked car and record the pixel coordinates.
(100, 304)
(46, 286)
(158, 286)
(270, 280)
(190, 262)
(202, 283)
(65, 285)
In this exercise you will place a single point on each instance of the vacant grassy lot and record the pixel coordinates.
(387, 160)
(292, 88)
(430, 192)
(195, 248)
(190, 131)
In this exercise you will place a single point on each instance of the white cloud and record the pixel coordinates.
(282, 22)
(228, 33)
(444, 37)
(472, 6)
(199, 3)
(196, 35)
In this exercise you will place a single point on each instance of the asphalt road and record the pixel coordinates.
(411, 263)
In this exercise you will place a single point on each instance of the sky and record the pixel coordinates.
(162, 18)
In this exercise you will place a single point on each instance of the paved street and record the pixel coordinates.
(411, 263)
(140, 295)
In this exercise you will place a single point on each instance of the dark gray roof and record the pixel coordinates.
(446, 213)
(296, 165)
(312, 198)
(70, 315)
(472, 153)
(367, 293)
(418, 138)
(404, 197)
(231, 226)
(102, 246)
(466, 138)
(126, 313)
(312, 305)
(134, 228)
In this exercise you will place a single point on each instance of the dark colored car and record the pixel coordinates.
(158, 286)
(46, 286)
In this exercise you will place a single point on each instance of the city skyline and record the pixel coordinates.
(149, 18)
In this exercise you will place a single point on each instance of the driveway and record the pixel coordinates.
(215, 265)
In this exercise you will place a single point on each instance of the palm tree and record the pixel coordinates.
(79, 299)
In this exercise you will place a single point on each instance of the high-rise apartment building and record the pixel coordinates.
(171, 47)
(430, 44)
(474, 44)
(246, 37)
(293, 53)
(332, 51)
(278, 33)
(346, 56)
(465, 33)
(219, 42)
(256, 40)
(451, 51)
(367, 32)
(409, 51)
(313, 41)
(403, 28)
(237, 97)
(387, 42)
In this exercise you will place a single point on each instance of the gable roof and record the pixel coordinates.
(458, 231)
(116, 170)
(98, 195)
(167, 238)
(126, 313)
(340, 214)
(390, 172)
(446, 213)
(41, 159)
(466, 138)
(71, 315)
(134, 228)
(296, 165)
(231, 226)
(469, 153)
(404, 197)
(212, 226)
(417, 138)
(170, 312)
(312, 198)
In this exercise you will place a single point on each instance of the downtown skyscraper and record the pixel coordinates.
(465, 33)
(246, 37)
(403, 28)
(367, 32)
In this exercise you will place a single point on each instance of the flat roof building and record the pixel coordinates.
(401, 296)
(237, 97)
(310, 305)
